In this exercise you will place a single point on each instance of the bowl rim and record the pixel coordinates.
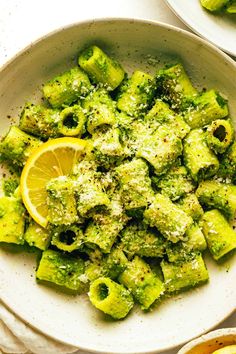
(206, 337)
(187, 33)
(130, 20)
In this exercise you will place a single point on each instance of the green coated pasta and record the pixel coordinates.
(184, 275)
(139, 239)
(132, 136)
(110, 297)
(67, 238)
(206, 108)
(136, 94)
(227, 167)
(231, 7)
(214, 5)
(219, 135)
(201, 162)
(144, 285)
(191, 206)
(101, 68)
(99, 109)
(127, 181)
(175, 184)
(10, 185)
(116, 262)
(175, 87)
(195, 241)
(12, 220)
(17, 146)
(217, 195)
(107, 148)
(88, 189)
(95, 267)
(168, 218)
(67, 88)
(161, 114)
(40, 121)
(105, 227)
(160, 149)
(61, 201)
(72, 121)
(37, 236)
(221, 238)
(64, 271)
(135, 186)
(94, 270)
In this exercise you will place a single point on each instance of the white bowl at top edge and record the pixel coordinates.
(137, 44)
(218, 28)
(210, 342)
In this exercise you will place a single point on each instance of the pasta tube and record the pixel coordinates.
(206, 108)
(37, 236)
(175, 87)
(107, 148)
(116, 262)
(17, 146)
(61, 201)
(12, 220)
(88, 189)
(191, 206)
(168, 218)
(214, 5)
(184, 275)
(40, 121)
(199, 159)
(135, 186)
(99, 109)
(227, 167)
(144, 285)
(136, 94)
(72, 121)
(221, 238)
(160, 149)
(176, 183)
(105, 227)
(67, 238)
(217, 195)
(67, 88)
(101, 68)
(195, 241)
(161, 114)
(219, 135)
(61, 270)
(110, 297)
(139, 239)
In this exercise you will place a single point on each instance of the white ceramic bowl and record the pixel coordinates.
(142, 45)
(219, 29)
(210, 342)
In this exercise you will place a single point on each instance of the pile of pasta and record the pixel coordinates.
(227, 6)
(153, 191)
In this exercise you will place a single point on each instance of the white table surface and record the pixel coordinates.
(23, 21)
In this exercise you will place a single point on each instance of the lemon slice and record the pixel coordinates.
(52, 159)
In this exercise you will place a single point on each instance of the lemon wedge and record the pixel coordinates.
(52, 159)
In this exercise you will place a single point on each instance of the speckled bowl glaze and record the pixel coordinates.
(147, 46)
(210, 342)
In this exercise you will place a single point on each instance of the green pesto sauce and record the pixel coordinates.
(136, 196)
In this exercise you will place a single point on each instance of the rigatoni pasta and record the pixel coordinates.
(151, 186)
